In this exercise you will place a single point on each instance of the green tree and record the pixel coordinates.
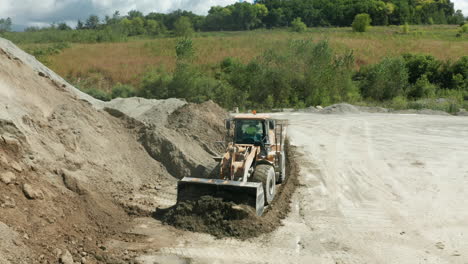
(183, 27)
(92, 22)
(5, 25)
(422, 88)
(134, 14)
(126, 25)
(361, 22)
(298, 26)
(79, 25)
(153, 27)
(63, 26)
(385, 80)
(137, 27)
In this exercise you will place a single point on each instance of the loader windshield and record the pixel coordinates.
(249, 131)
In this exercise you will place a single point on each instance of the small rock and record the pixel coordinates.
(72, 183)
(17, 242)
(7, 177)
(11, 141)
(319, 107)
(57, 252)
(66, 258)
(83, 260)
(26, 236)
(440, 245)
(456, 254)
(3, 160)
(84, 254)
(16, 166)
(7, 202)
(32, 193)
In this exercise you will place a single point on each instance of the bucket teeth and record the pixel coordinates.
(248, 193)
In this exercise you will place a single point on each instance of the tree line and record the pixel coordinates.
(269, 14)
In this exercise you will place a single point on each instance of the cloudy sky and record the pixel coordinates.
(44, 12)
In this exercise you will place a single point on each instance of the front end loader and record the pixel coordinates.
(247, 173)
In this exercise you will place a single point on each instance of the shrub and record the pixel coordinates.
(385, 80)
(405, 29)
(399, 103)
(155, 84)
(183, 27)
(298, 25)
(464, 28)
(419, 65)
(184, 49)
(454, 75)
(361, 22)
(122, 91)
(98, 94)
(422, 88)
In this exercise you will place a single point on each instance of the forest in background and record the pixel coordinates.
(240, 16)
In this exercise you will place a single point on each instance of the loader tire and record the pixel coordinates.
(266, 175)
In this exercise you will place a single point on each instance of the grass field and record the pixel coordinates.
(125, 62)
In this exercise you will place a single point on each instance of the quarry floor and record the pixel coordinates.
(374, 188)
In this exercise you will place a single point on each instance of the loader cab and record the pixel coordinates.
(251, 130)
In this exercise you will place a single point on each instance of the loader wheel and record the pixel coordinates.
(282, 176)
(266, 175)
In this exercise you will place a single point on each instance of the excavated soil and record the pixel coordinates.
(226, 219)
(74, 171)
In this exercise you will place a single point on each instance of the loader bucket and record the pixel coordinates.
(248, 193)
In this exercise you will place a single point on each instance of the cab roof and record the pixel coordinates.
(252, 116)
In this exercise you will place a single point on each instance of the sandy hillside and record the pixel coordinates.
(72, 168)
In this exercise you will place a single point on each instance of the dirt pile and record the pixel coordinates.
(204, 123)
(226, 219)
(72, 168)
(181, 136)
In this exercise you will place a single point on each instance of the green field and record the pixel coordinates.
(151, 63)
(125, 62)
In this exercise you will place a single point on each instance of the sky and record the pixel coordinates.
(44, 12)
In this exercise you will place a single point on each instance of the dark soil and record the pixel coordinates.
(226, 219)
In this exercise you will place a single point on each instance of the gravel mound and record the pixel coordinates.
(181, 136)
(72, 168)
(148, 111)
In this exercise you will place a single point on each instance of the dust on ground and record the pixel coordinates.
(226, 219)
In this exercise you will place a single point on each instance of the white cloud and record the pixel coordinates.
(462, 5)
(34, 12)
